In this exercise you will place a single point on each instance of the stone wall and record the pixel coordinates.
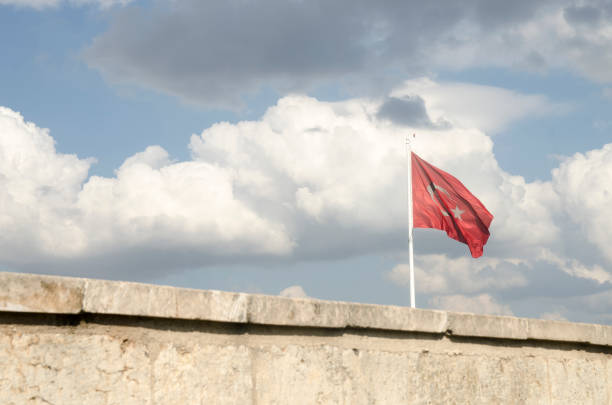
(80, 341)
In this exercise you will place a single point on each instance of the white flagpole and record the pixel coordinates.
(410, 221)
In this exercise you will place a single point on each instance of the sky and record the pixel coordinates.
(259, 146)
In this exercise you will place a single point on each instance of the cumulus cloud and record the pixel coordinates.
(467, 105)
(309, 180)
(584, 184)
(51, 212)
(336, 171)
(332, 167)
(294, 291)
(314, 160)
(575, 268)
(217, 53)
(439, 274)
(166, 205)
(38, 187)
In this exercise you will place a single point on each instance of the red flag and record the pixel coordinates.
(440, 201)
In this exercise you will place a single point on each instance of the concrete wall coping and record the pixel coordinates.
(67, 295)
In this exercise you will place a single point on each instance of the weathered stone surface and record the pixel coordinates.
(396, 318)
(568, 331)
(456, 378)
(49, 294)
(305, 375)
(578, 381)
(69, 369)
(308, 352)
(194, 374)
(212, 305)
(268, 310)
(103, 364)
(381, 377)
(35, 293)
(502, 327)
(331, 375)
(608, 378)
(122, 298)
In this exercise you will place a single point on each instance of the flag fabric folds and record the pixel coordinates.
(442, 202)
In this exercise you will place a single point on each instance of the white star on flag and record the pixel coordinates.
(457, 212)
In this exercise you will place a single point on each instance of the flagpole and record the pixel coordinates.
(410, 221)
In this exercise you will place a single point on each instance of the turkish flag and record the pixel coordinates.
(440, 201)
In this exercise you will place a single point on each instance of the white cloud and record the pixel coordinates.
(309, 180)
(51, 211)
(340, 166)
(575, 268)
(294, 291)
(479, 304)
(38, 187)
(487, 108)
(331, 162)
(548, 38)
(584, 182)
(439, 274)
(186, 203)
(381, 43)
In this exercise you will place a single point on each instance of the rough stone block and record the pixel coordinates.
(569, 331)
(300, 375)
(73, 369)
(396, 318)
(212, 305)
(123, 298)
(36, 293)
(263, 309)
(49, 294)
(577, 381)
(202, 375)
(456, 378)
(500, 327)
(379, 377)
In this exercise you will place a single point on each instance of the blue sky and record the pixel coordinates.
(241, 146)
